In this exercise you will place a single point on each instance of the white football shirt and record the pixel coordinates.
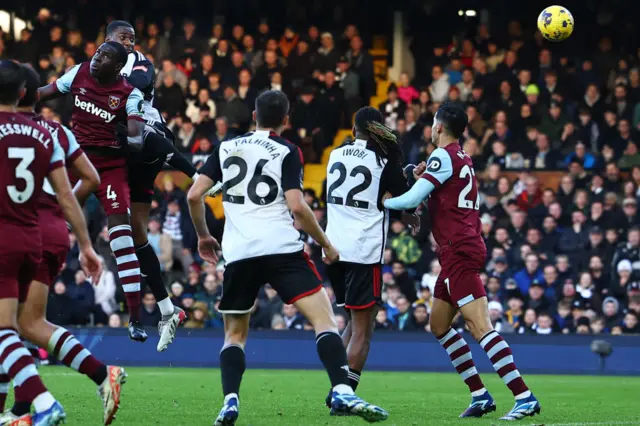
(256, 169)
(357, 224)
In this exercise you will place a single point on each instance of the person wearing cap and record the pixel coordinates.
(288, 41)
(497, 318)
(583, 326)
(599, 246)
(393, 108)
(630, 210)
(351, 86)
(536, 299)
(327, 55)
(492, 205)
(624, 271)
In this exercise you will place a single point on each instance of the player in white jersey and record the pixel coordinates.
(262, 187)
(359, 174)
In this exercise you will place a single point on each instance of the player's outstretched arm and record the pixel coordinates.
(207, 245)
(73, 213)
(48, 92)
(60, 87)
(303, 214)
(412, 198)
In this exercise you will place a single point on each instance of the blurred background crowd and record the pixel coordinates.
(553, 133)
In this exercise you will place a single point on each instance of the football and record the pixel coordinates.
(555, 23)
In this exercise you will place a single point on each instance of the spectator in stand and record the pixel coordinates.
(327, 55)
(169, 68)
(530, 273)
(149, 312)
(362, 63)
(406, 92)
(82, 298)
(169, 97)
(222, 132)
(439, 88)
(531, 196)
(393, 108)
(201, 103)
(266, 71)
(237, 113)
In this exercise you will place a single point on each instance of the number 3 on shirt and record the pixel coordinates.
(111, 195)
(468, 173)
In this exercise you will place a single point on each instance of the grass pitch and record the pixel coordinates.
(192, 397)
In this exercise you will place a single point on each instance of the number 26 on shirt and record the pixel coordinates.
(468, 173)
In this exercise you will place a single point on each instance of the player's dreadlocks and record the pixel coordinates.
(382, 140)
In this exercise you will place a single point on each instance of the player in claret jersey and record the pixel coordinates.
(103, 102)
(28, 155)
(450, 184)
(55, 245)
(143, 169)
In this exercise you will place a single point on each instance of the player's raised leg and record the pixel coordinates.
(18, 363)
(316, 307)
(66, 348)
(476, 316)
(442, 315)
(172, 316)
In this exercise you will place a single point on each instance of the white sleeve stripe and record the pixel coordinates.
(73, 142)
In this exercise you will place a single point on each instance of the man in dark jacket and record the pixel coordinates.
(234, 109)
(306, 120)
(149, 312)
(60, 305)
(629, 250)
(574, 240)
(362, 63)
(83, 298)
(169, 97)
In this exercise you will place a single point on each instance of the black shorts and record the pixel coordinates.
(355, 285)
(292, 275)
(142, 177)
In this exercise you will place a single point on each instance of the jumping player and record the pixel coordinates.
(102, 101)
(55, 245)
(143, 169)
(359, 174)
(28, 155)
(262, 179)
(450, 184)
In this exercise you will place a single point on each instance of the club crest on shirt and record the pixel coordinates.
(114, 102)
(434, 164)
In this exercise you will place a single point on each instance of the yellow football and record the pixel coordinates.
(555, 23)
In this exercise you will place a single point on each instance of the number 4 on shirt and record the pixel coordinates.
(468, 173)
(111, 195)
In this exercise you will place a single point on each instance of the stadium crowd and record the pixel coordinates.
(559, 261)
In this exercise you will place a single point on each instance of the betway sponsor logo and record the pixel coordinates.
(93, 109)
